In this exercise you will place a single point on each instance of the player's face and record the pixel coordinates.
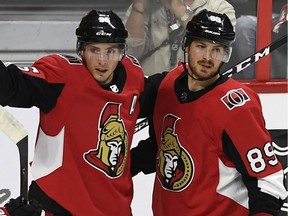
(101, 60)
(205, 58)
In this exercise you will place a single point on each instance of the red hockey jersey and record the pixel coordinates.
(82, 158)
(215, 156)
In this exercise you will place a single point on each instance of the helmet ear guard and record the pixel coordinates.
(186, 41)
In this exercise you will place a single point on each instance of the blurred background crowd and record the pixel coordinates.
(155, 30)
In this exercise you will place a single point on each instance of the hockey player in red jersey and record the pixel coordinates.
(214, 155)
(88, 110)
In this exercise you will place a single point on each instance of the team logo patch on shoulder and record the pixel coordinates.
(71, 59)
(134, 60)
(235, 98)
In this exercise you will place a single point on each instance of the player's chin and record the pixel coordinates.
(204, 73)
(103, 79)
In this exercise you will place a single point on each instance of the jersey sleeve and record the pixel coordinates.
(143, 156)
(38, 85)
(148, 96)
(248, 144)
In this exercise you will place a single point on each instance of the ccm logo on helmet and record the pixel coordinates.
(102, 33)
(235, 98)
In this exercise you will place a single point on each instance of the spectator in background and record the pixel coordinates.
(246, 33)
(156, 29)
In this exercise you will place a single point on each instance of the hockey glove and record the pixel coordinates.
(16, 208)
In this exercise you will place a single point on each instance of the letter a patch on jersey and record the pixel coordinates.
(235, 98)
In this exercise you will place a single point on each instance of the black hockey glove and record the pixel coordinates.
(16, 208)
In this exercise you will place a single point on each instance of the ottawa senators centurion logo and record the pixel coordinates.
(111, 153)
(175, 168)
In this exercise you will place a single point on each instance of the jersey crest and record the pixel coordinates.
(175, 167)
(110, 155)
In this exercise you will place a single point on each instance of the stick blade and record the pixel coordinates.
(18, 134)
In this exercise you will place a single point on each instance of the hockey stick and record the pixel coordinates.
(235, 69)
(18, 134)
(255, 57)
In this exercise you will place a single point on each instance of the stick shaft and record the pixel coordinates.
(255, 57)
(10, 126)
